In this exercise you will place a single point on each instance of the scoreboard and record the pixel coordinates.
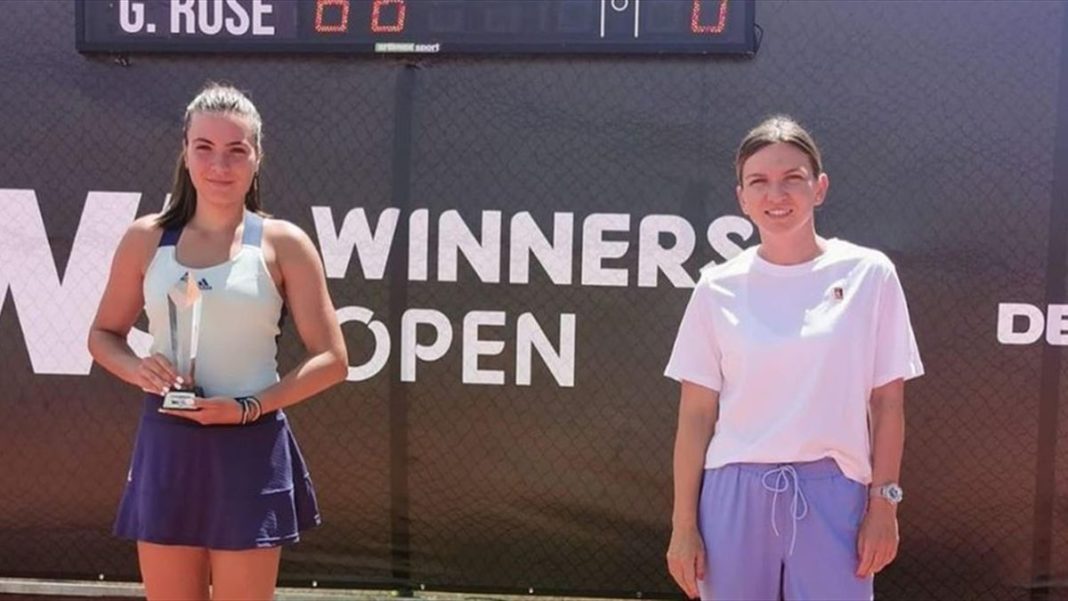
(417, 26)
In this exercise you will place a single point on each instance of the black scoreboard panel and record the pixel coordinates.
(417, 26)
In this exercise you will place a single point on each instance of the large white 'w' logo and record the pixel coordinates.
(55, 315)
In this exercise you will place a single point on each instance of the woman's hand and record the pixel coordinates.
(878, 538)
(215, 411)
(156, 375)
(686, 559)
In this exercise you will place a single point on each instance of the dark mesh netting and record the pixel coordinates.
(937, 122)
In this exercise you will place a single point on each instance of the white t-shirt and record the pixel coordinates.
(794, 352)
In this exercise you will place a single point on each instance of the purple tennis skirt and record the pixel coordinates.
(220, 487)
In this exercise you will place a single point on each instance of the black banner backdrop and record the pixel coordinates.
(947, 145)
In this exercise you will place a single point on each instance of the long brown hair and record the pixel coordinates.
(214, 98)
(779, 128)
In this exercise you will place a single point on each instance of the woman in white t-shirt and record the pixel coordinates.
(792, 358)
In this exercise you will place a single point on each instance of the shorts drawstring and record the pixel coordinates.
(798, 505)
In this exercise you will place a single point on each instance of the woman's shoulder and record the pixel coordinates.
(285, 236)
(725, 272)
(282, 229)
(869, 264)
(146, 224)
(851, 251)
(139, 243)
(145, 231)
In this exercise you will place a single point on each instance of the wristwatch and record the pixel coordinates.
(891, 492)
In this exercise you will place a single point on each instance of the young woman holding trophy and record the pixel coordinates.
(217, 482)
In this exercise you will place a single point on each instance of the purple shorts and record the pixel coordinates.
(781, 531)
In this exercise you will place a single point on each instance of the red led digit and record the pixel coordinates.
(695, 19)
(376, 12)
(320, 8)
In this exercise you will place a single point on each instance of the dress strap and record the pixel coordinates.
(170, 236)
(253, 235)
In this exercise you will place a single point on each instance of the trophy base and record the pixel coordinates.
(181, 400)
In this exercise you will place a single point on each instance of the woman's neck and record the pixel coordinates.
(212, 218)
(792, 250)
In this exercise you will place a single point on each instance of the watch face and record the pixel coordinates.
(893, 492)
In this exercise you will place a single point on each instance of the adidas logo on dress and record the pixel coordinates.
(202, 283)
